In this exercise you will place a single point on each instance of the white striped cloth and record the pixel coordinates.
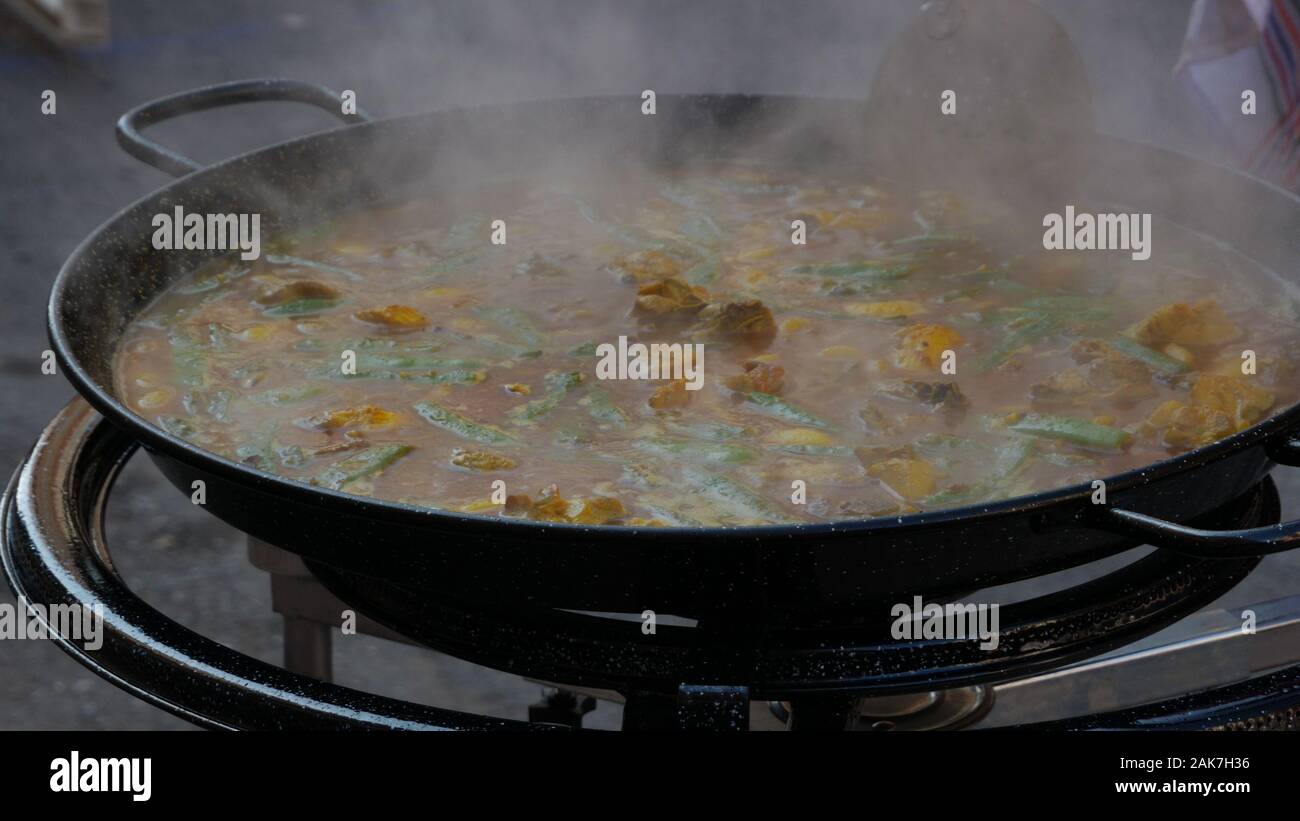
(1233, 45)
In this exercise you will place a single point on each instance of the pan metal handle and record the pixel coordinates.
(223, 94)
(1212, 544)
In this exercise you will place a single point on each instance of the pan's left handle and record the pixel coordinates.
(1211, 544)
(224, 94)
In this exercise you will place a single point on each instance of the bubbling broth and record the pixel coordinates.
(864, 351)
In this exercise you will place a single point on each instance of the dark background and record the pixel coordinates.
(62, 175)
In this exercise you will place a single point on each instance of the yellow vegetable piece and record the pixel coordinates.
(885, 310)
(841, 352)
(912, 479)
(800, 436)
(921, 347)
(751, 254)
(257, 333)
(393, 316)
(794, 324)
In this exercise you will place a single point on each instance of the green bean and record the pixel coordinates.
(558, 386)
(455, 376)
(1153, 359)
(287, 395)
(1079, 432)
(301, 307)
(743, 501)
(716, 431)
(189, 359)
(453, 422)
(708, 451)
(777, 406)
(360, 465)
(601, 406)
(515, 321)
(176, 426)
(934, 242)
(874, 271)
(405, 362)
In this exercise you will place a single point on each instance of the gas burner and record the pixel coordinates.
(825, 669)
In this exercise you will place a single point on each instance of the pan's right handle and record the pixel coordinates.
(1212, 544)
(224, 94)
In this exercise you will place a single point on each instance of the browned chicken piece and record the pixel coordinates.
(672, 395)
(749, 322)
(763, 377)
(1199, 325)
(363, 416)
(552, 507)
(481, 460)
(1233, 396)
(1103, 374)
(397, 317)
(1181, 426)
(599, 510)
(945, 396)
(669, 298)
(276, 291)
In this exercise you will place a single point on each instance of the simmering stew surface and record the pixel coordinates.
(918, 352)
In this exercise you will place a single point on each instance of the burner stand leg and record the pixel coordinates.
(307, 648)
(824, 713)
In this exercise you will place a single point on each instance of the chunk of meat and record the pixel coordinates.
(921, 346)
(669, 298)
(672, 395)
(366, 417)
(1200, 325)
(1184, 426)
(749, 322)
(944, 396)
(552, 507)
(277, 291)
(481, 460)
(1233, 396)
(763, 377)
(398, 317)
(1103, 374)
(598, 510)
